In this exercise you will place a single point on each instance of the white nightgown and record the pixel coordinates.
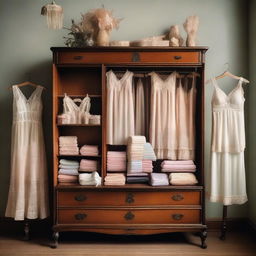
(162, 131)
(28, 192)
(120, 108)
(228, 183)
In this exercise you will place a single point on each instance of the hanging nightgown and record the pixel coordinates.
(120, 108)
(140, 109)
(185, 117)
(228, 184)
(162, 132)
(28, 192)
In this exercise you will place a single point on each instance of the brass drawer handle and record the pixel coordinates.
(177, 216)
(80, 216)
(177, 197)
(129, 198)
(78, 57)
(176, 57)
(80, 198)
(129, 216)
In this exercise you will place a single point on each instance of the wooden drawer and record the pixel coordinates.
(107, 198)
(122, 216)
(128, 57)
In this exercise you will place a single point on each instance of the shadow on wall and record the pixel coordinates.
(40, 74)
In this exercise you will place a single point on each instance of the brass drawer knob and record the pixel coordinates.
(78, 57)
(177, 57)
(80, 198)
(129, 198)
(177, 197)
(177, 216)
(129, 216)
(80, 216)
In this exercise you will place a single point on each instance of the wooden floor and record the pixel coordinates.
(73, 244)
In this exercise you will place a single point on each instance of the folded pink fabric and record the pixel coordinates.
(181, 170)
(67, 178)
(88, 165)
(116, 161)
(179, 167)
(89, 150)
(179, 162)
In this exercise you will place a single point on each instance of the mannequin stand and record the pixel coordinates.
(26, 231)
(224, 222)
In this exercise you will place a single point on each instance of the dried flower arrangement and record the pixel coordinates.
(93, 29)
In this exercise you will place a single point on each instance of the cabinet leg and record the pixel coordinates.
(224, 223)
(55, 240)
(26, 231)
(203, 236)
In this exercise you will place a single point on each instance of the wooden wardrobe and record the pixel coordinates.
(133, 209)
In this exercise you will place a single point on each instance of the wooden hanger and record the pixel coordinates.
(28, 83)
(229, 74)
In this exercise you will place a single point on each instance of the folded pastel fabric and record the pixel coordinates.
(159, 179)
(89, 150)
(68, 145)
(149, 152)
(67, 178)
(89, 179)
(69, 162)
(116, 161)
(178, 166)
(88, 165)
(114, 179)
(179, 162)
(184, 179)
(73, 172)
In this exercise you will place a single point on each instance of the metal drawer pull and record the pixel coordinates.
(135, 57)
(177, 57)
(129, 198)
(177, 197)
(78, 57)
(129, 216)
(80, 198)
(80, 216)
(177, 216)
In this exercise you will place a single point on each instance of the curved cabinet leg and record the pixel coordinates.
(26, 231)
(55, 237)
(203, 236)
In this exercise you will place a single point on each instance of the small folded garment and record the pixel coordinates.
(94, 119)
(89, 150)
(73, 172)
(137, 179)
(134, 166)
(178, 166)
(149, 152)
(116, 161)
(159, 179)
(67, 178)
(69, 163)
(147, 166)
(68, 145)
(88, 165)
(115, 179)
(89, 179)
(185, 179)
(137, 174)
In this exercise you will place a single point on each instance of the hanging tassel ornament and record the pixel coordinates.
(54, 15)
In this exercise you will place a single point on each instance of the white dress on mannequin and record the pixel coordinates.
(28, 192)
(162, 131)
(120, 108)
(228, 183)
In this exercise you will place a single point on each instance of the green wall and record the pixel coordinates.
(251, 136)
(25, 54)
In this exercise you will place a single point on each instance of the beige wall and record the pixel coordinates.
(25, 53)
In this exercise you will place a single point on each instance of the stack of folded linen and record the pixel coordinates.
(116, 161)
(147, 166)
(89, 179)
(68, 145)
(137, 179)
(68, 171)
(89, 150)
(159, 179)
(115, 179)
(178, 166)
(184, 179)
(149, 153)
(88, 165)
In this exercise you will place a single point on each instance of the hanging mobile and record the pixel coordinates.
(54, 15)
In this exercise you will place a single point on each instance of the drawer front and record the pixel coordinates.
(121, 216)
(83, 198)
(128, 57)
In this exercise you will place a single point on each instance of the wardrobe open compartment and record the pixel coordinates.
(130, 208)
